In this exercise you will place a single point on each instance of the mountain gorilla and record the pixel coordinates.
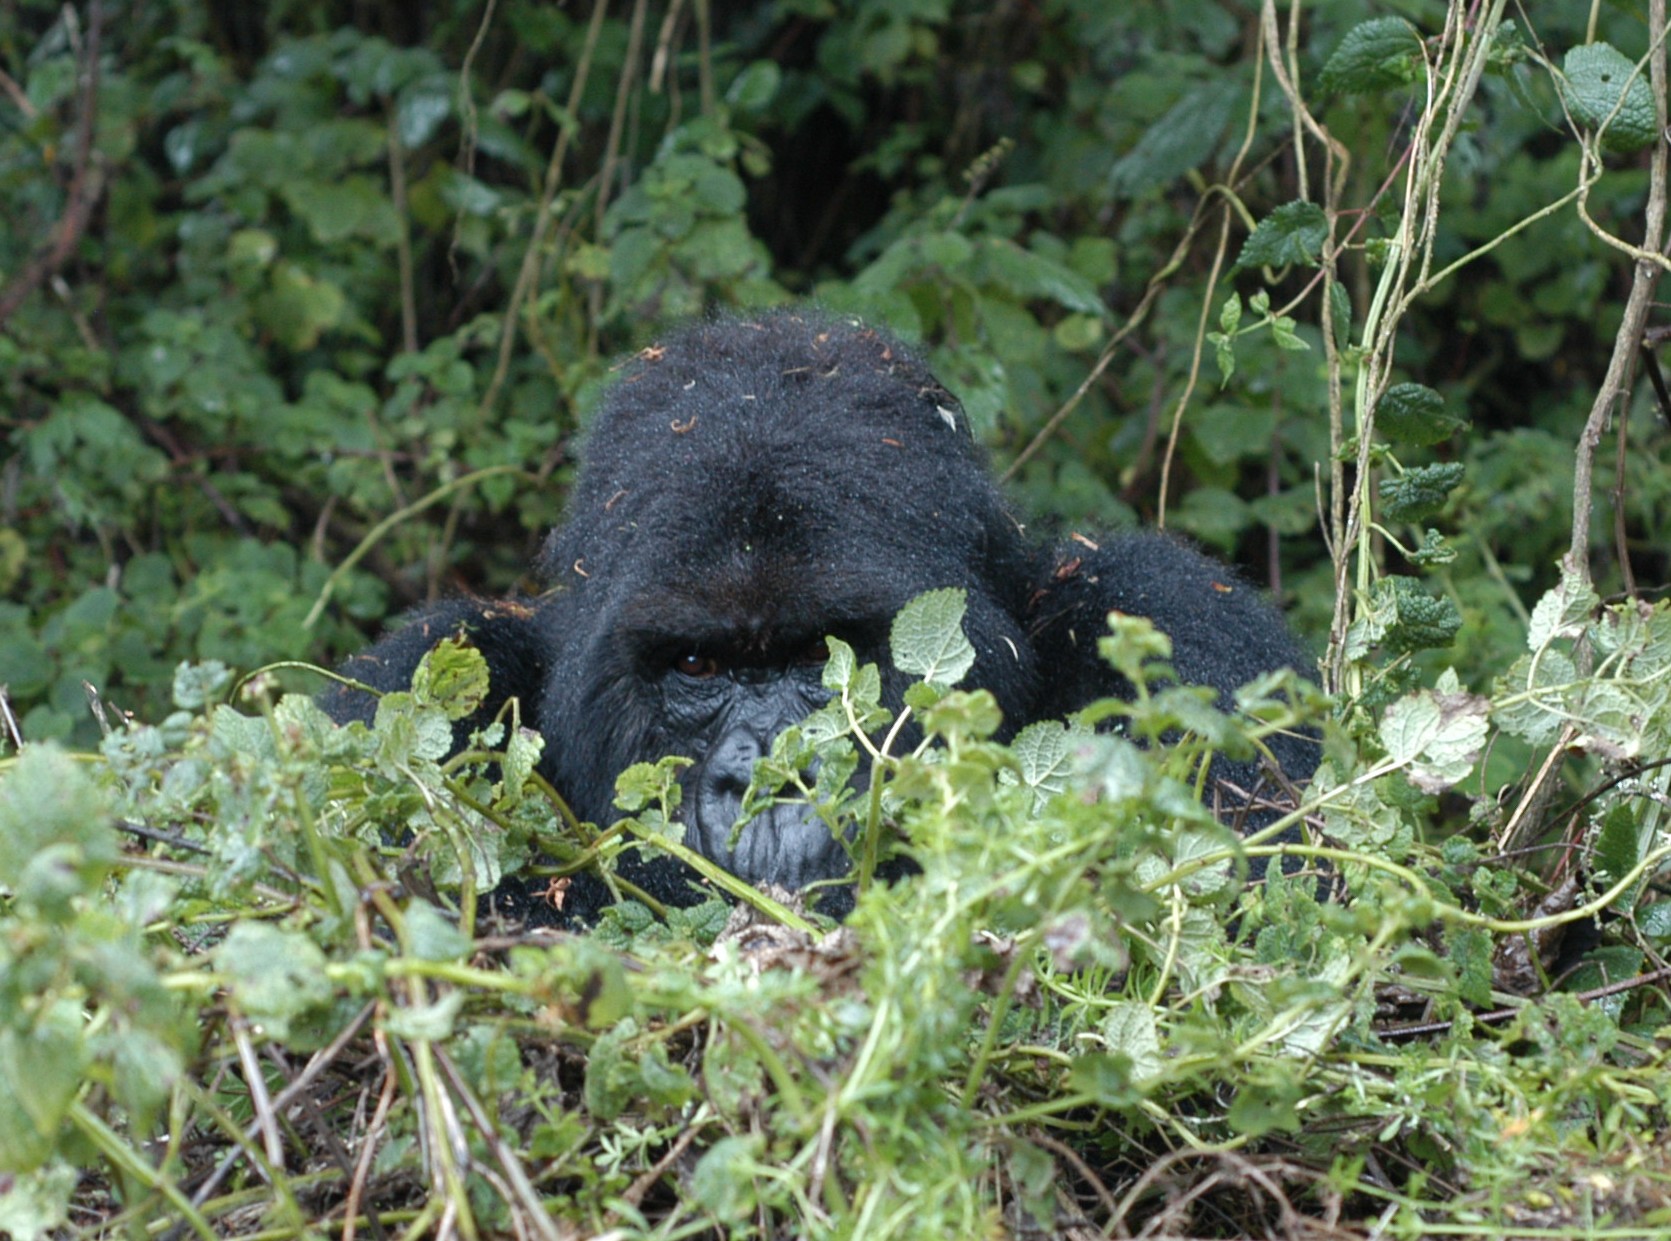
(750, 486)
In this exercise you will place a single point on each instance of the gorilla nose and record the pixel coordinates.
(787, 844)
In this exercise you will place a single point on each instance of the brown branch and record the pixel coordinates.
(1616, 385)
(86, 182)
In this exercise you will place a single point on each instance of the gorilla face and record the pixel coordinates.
(749, 487)
(731, 707)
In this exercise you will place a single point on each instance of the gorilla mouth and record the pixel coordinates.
(786, 844)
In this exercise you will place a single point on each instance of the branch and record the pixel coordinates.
(1616, 385)
(86, 182)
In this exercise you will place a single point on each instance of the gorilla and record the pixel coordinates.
(751, 485)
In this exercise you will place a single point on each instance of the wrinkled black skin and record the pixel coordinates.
(750, 486)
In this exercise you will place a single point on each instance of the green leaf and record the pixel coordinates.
(1619, 844)
(1028, 276)
(1375, 55)
(1261, 1107)
(1419, 492)
(37, 1203)
(41, 1064)
(1181, 140)
(431, 936)
(1292, 234)
(1563, 612)
(1469, 949)
(1414, 414)
(274, 976)
(56, 841)
(723, 1181)
(1402, 617)
(1044, 754)
(1604, 90)
(453, 676)
(755, 87)
(927, 638)
(1437, 736)
(197, 685)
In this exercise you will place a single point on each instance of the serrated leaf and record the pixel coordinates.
(1375, 55)
(1562, 612)
(1026, 275)
(1044, 754)
(1469, 951)
(1419, 492)
(1532, 697)
(453, 676)
(1292, 234)
(1414, 414)
(1438, 737)
(927, 637)
(1619, 845)
(273, 976)
(1402, 617)
(1182, 139)
(1129, 1029)
(56, 841)
(1604, 91)
(41, 1065)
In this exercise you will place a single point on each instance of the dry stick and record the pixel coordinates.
(403, 233)
(548, 192)
(1194, 369)
(1616, 384)
(506, 1158)
(618, 116)
(362, 1166)
(86, 183)
(317, 1065)
(265, 1121)
(467, 126)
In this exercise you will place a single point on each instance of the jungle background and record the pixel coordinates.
(303, 309)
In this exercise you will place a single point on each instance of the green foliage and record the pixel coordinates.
(1607, 93)
(302, 313)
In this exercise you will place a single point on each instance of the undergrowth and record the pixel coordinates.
(315, 322)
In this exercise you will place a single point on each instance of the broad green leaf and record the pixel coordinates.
(273, 976)
(1419, 492)
(41, 1064)
(1130, 1029)
(1562, 612)
(1402, 617)
(1604, 90)
(927, 638)
(754, 88)
(1437, 736)
(453, 676)
(56, 839)
(1181, 140)
(1414, 414)
(1032, 276)
(1292, 234)
(1375, 55)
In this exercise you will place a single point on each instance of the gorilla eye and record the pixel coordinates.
(700, 667)
(815, 653)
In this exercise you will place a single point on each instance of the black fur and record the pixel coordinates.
(751, 485)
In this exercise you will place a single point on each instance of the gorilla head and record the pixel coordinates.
(752, 485)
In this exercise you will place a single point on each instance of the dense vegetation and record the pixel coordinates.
(302, 308)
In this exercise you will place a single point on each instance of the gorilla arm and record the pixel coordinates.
(1223, 633)
(513, 637)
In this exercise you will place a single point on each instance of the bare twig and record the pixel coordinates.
(1616, 384)
(86, 182)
